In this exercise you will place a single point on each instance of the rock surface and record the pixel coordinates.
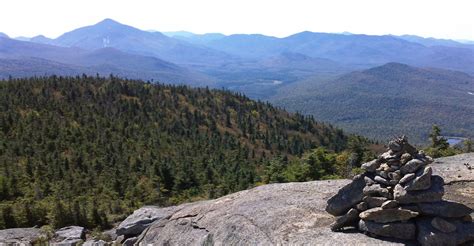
(23, 236)
(70, 233)
(141, 219)
(429, 235)
(285, 214)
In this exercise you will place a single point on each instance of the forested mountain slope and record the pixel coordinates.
(83, 150)
(385, 101)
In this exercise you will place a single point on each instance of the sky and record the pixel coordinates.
(452, 19)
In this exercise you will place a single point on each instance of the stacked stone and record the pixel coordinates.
(399, 197)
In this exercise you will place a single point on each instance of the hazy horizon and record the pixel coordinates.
(437, 19)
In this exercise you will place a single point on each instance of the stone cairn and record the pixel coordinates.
(398, 197)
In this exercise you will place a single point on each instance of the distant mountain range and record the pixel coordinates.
(289, 71)
(389, 100)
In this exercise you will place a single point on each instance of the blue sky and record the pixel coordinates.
(429, 18)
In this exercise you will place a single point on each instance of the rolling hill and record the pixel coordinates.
(389, 100)
(84, 150)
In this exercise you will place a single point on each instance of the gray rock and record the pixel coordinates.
(411, 166)
(95, 243)
(381, 215)
(394, 146)
(428, 235)
(25, 236)
(443, 225)
(406, 157)
(394, 176)
(381, 180)
(407, 178)
(371, 166)
(382, 173)
(275, 214)
(389, 204)
(422, 180)
(369, 181)
(373, 202)
(346, 197)
(120, 239)
(362, 206)
(142, 218)
(70, 233)
(433, 194)
(130, 241)
(447, 209)
(111, 234)
(70, 242)
(349, 219)
(400, 230)
(376, 190)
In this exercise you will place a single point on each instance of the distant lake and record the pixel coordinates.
(454, 140)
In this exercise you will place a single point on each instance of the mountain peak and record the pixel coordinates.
(3, 35)
(108, 22)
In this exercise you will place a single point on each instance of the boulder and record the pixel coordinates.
(443, 225)
(70, 233)
(22, 236)
(381, 215)
(447, 209)
(347, 197)
(349, 219)
(422, 180)
(411, 166)
(142, 218)
(399, 230)
(433, 194)
(428, 235)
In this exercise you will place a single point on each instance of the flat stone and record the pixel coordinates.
(447, 209)
(399, 230)
(381, 180)
(374, 202)
(349, 219)
(371, 166)
(429, 235)
(381, 215)
(389, 204)
(411, 166)
(394, 146)
(406, 157)
(422, 181)
(362, 206)
(369, 181)
(346, 197)
(408, 177)
(433, 194)
(442, 225)
(130, 241)
(376, 190)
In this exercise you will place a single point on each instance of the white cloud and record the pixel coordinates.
(442, 19)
